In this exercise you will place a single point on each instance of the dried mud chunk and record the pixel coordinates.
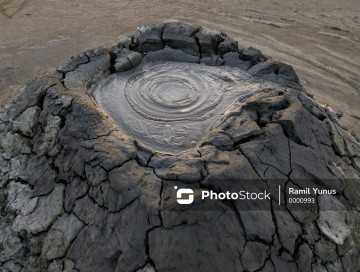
(148, 38)
(47, 210)
(332, 219)
(181, 36)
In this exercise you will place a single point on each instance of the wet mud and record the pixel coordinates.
(319, 39)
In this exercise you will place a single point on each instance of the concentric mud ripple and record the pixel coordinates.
(173, 94)
(169, 107)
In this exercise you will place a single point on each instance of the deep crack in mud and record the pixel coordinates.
(88, 184)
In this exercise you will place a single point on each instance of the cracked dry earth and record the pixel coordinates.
(81, 190)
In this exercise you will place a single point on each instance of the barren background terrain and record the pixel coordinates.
(320, 39)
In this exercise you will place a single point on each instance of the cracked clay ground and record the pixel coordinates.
(79, 194)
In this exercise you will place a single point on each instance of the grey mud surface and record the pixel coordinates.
(320, 39)
(177, 102)
(78, 193)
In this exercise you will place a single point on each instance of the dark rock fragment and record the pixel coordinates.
(277, 72)
(169, 54)
(233, 59)
(208, 41)
(181, 36)
(127, 60)
(149, 38)
(226, 45)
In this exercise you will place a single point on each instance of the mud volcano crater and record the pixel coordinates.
(90, 156)
(171, 106)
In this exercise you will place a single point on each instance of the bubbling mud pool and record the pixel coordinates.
(169, 107)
